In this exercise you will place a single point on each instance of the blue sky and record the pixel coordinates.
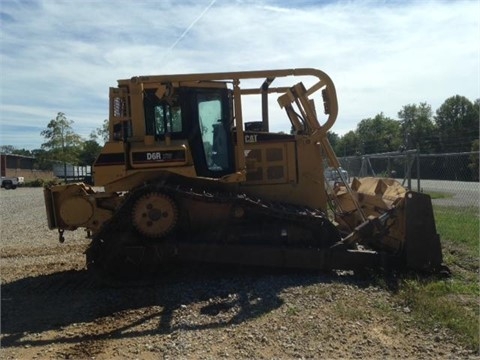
(62, 56)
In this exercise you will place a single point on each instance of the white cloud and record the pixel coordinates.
(59, 56)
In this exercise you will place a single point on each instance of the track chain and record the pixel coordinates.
(119, 230)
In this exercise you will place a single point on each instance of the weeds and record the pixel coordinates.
(453, 303)
(444, 303)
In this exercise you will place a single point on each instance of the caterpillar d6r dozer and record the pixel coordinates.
(183, 176)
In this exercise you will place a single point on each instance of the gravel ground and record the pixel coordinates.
(53, 309)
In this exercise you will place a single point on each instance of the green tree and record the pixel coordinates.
(379, 134)
(90, 150)
(417, 127)
(42, 160)
(23, 152)
(101, 132)
(333, 138)
(457, 121)
(62, 143)
(7, 149)
(348, 145)
(10, 149)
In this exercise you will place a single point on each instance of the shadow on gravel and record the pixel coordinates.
(34, 305)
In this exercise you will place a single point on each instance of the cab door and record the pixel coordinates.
(209, 118)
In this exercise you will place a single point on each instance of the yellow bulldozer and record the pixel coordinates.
(184, 177)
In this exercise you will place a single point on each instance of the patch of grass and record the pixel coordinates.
(452, 303)
(451, 286)
(447, 303)
(292, 310)
(348, 312)
(440, 195)
(459, 225)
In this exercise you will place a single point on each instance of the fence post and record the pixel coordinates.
(409, 172)
(417, 155)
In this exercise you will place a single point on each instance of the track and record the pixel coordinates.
(211, 226)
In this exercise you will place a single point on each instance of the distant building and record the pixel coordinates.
(12, 165)
(12, 161)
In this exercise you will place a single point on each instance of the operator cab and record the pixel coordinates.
(200, 116)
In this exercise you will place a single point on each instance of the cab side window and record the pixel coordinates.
(168, 119)
(162, 117)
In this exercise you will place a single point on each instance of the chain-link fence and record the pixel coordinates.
(412, 167)
(451, 179)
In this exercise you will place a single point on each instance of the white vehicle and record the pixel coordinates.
(333, 175)
(10, 182)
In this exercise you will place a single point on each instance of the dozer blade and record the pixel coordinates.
(382, 215)
(422, 243)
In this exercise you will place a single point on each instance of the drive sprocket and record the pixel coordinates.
(155, 214)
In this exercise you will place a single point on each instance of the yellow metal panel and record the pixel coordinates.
(110, 164)
(76, 211)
